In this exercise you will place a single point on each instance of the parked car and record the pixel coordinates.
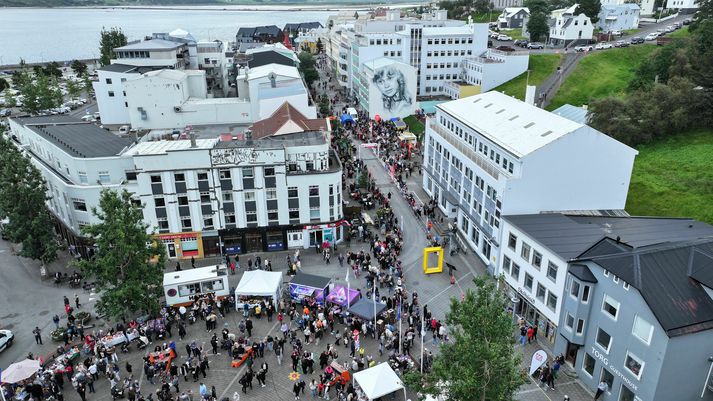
(670, 28)
(97, 116)
(490, 44)
(677, 25)
(6, 338)
(636, 40)
(88, 118)
(521, 42)
(585, 48)
(535, 45)
(505, 49)
(661, 31)
(503, 37)
(652, 36)
(621, 43)
(5, 112)
(603, 45)
(494, 35)
(617, 33)
(687, 21)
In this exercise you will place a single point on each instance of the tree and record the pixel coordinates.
(537, 27)
(39, 94)
(324, 107)
(307, 66)
(73, 89)
(537, 6)
(52, 70)
(110, 40)
(591, 9)
(128, 273)
(23, 196)
(480, 363)
(78, 67)
(3, 84)
(10, 100)
(703, 14)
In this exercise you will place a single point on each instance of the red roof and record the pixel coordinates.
(282, 116)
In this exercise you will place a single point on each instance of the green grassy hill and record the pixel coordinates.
(541, 66)
(674, 177)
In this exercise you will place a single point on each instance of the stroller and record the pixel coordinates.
(117, 392)
(143, 342)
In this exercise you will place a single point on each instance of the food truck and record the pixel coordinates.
(184, 287)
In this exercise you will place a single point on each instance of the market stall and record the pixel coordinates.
(378, 381)
(256, 286)
(343, 296)
(367, 309)
(309, 286)
(183, 287)
(111, 340)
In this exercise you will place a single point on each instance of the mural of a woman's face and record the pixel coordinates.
(388, 83)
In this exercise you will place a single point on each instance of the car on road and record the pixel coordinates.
(521, 42)
(687, 21)
(585, 48)
(617, 33)
(661, 31)
(652, 36)
(6, 338)
(505, 49)
(603, 45)
(621, 43)
(5, 112)
(535, 45)
(636, 40)
(504, 38)
(493, 35)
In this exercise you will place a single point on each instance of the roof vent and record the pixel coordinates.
(529, 125)
(487, 105)
(512, 118)
(546, 133)
(477, 100)
(499, 111)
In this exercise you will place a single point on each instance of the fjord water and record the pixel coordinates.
(61, 34)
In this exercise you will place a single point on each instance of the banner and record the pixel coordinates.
(538, 359)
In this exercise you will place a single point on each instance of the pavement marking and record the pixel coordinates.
(447, 288)
(539, 388)
(532, 390)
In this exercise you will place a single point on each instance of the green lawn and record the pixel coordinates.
(541, 66)
(515, 34)
(484, 17)
(630, 31)
(601, 74)
(680, 33)
(674, 177)
(414, 125)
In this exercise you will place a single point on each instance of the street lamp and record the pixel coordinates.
(705, 383)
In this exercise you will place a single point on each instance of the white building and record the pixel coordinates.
(491, 155)
(257, 195)
(493, 68)
(268, 86)
(688, 6)
(620, 17)
(566, 26)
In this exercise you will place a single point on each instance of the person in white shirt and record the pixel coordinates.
(601, 389)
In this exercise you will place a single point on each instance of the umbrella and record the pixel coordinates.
(19, 371)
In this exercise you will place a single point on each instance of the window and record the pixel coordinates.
(202, 176)
(163, 225)
(131, 176)
(616, 279)
(205, 198)
(186, 223)
(108, 81)
(536, 259)
(179, 177)
(227, 196)
(610, 306)
(552, 271)
(627, 395)
(292, 192)
(515, 272)
(271, 194)
(207, 222)
(294, 214)
(574, 289)
(506, 264)
(626, 286)
(603, 339)
(607, 377)
(159, 202)
(229, 219)
(269, 171)
(314, 190)
(525, 251)
(247, 172)
(251, 217)
(540, 292)
(104, 177)
(314, 213)
(585, 294)
(633, 364)
(272, 215)
(111, 93)
(79, 205)
(569, 322)
(642, 329)
(249, 196)
(182, 200)
(580, 326)
(606, 273)
(512, 240)
(551, 301)
(225, 174)
(528, 281)
(588, 364)
(155, 179)
(83, 178)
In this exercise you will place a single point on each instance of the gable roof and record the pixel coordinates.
(668, 277)
(260, 58)
(285, 114)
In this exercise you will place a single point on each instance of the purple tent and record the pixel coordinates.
(340, 295)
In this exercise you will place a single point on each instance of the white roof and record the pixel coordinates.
(379, 62)
(175, 75)
(278, 69)
(163, 147)
(152, 44)
(378, 381)
(514, 10)
(448, 30)
(259, 282)
(512, 124)
(191, 275)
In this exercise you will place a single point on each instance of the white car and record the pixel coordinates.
(504, 37)
(6, 338)
(652, 36)
(617, 33)
(586, 48)
(603, 45)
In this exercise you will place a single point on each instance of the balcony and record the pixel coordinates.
(471, 154)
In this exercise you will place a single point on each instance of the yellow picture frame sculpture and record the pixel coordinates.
(432, 269)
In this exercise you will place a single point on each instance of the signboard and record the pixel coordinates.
(232, 249)
(191, 235)
(245, 156)
(538, 359)
(275, 246)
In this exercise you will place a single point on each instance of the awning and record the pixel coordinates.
(365, 308)
(378, 381)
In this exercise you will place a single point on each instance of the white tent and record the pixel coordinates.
(260, 283)
(378, 381)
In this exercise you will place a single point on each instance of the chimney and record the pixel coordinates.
(193, 139)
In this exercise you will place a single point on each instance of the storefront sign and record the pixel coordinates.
(538, 359)
(602, 357)
(232, 249)
(275, 246)
(526, 295)
(178, 236)
(330, 225)
(245, 156)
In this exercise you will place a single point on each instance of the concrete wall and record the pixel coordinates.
(112, 108)
(685, 370)
(496, 74)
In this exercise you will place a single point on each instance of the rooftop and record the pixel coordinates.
(164, 146)
(117, 67)
(306, 138)
(572, 113)
(514, 125)
(76, 137)
(278, 69)
(152, 44)
(283, 115)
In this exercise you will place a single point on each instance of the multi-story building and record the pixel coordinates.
(247, 194)
(613, 17)
(513, 17)
(566, 26)
(684, 6)
(261, 34)
(491, 155)
(627, 300)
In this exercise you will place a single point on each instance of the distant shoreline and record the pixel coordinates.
(356, 6)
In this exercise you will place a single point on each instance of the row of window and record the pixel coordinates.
(247, 172)
(542, 293)
(442, 77)
(380, 42)
(441, 65)
(450, 41)
(393, 53)
(533, 257)
(632, 363)
(482, 147)
(449, 53)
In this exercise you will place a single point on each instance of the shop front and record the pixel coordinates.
(525, 309)
(323, 233)
(182, 245)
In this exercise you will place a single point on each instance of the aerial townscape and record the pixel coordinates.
(225, 200)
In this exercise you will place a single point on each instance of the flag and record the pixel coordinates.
(347, 278)
(398, 311)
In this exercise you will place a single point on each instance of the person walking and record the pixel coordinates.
(295, 390)
(261, 375)
(38, 337)
(249, 327)
(601, 389)
(76, 301)
(55, 320)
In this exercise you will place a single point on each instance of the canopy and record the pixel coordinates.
(310, 280)
(346, 118)
(399, 125)
(378, 381)
(20, 371)
(342, 295)
(364, 308)
(408, 136)
(260, 283)
(309, 285)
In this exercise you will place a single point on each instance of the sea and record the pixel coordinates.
(63, 34)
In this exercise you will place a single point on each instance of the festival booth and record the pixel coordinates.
(185, 286)
(309, 286)
(408, 137)
(343, 296)
(379, 381)
(346, 118)
(367, 309)
(399, 125)
(256, 286)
